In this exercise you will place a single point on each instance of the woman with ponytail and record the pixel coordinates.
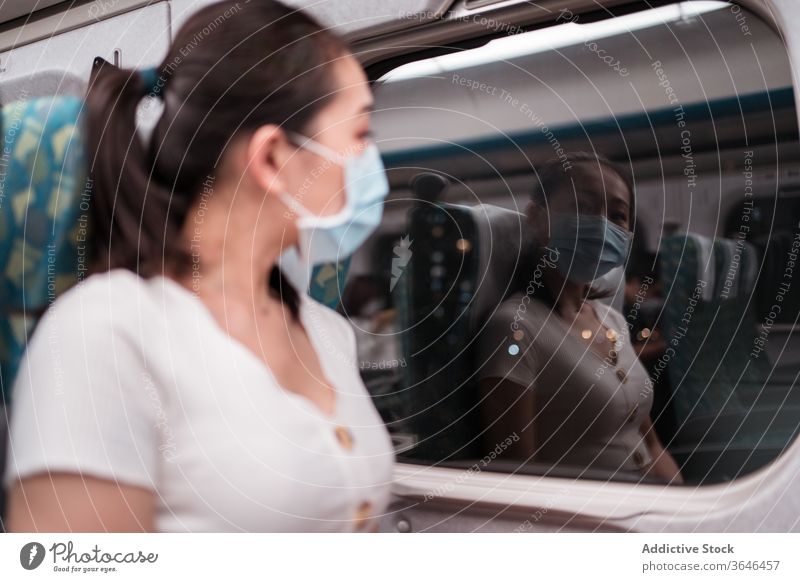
(189, 384)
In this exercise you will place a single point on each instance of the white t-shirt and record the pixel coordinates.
(134, 380)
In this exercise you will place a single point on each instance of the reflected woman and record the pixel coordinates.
(556, 364)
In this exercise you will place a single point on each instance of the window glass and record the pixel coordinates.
(587, 264)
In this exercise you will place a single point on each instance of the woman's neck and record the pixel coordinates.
(233, 249)
(568, 296)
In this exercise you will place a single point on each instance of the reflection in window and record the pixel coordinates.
(680, 363)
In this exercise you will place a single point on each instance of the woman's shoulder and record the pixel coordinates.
(518, 313)
(108, 283)
(605, 310)
(113, 298)
(93, 327)
(521, 307)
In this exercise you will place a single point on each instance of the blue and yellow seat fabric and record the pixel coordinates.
(42, 225)
(328, 281)
(729, 415)
(43, 217)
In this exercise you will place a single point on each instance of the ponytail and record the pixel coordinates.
(136, 220)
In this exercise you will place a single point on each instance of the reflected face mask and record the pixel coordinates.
(588, 245)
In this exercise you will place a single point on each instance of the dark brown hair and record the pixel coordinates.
(554, 174)
(551, 179)
(232, 67)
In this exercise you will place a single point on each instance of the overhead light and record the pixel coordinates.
(549, 39)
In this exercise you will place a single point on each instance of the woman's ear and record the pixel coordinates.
(267, 153)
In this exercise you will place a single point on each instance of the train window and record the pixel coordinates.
(588, 264)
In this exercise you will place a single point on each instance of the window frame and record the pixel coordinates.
(648, 506)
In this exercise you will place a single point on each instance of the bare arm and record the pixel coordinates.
(68, 502)
(508, 408)
(663, 466)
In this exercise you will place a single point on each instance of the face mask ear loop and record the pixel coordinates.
(294, 205)
(309, 144)
(315, 147)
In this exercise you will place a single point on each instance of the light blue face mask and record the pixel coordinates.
(588, 245)
(329, 239)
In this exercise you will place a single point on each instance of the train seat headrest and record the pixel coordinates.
(502, 252)
(43, 216)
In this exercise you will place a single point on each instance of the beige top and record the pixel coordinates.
(589, 412)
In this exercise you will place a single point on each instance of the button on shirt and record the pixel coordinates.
(134, 380)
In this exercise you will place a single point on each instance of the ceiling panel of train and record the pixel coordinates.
(361, 19)
(352, 18)
(12, 9)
